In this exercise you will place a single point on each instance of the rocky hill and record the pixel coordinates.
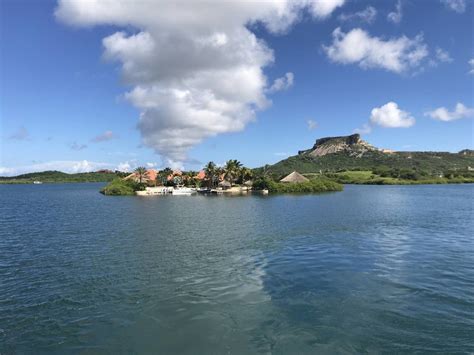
(331, 154)
(352, 145)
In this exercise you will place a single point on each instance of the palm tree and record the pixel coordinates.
(141, 173)
(210, 171)
(232, 168)
(189, 177)
(163, 175)
(219, 172)
(246, 174)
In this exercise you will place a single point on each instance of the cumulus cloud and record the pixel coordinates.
(127, 166)
(365, 129)
(388, 116)
(396, 16)
(311, 124)
(196, 69)
(443, 56)
(367, 15)
(458, 6)
(77, 146)
(283, 83)
(443, 114)
(21, 134)
(471, 63)
(358, 47)
(106, 136)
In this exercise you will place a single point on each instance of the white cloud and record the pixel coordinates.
(458, 6)
(388, 116)
(443, 114)
(196, 69)
(151, 165)
(396, 16)
(311, 124)
(106, 136)
(443, 56)
(21, 134)
(367, 15)
(366, 129)
(128, 165)
(471, 63)
(283, 83)
(358, 47)
(78, 146)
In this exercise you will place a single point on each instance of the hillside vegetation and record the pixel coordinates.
(60, 177)
(335, 157)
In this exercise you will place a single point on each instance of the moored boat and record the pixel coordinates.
(181, 190)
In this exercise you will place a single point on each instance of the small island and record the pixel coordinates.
(233, 178)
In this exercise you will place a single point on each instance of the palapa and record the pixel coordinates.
(294, 177)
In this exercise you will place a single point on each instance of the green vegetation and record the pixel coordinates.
(60, 177)
(142, 174)
(315, 185)
(433, 163)
(120, 187)
(397, 177)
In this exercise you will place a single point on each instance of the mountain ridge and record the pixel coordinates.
(350, 152)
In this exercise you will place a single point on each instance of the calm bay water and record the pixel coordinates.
(368, 270)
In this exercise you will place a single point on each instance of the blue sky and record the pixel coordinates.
(213, 85)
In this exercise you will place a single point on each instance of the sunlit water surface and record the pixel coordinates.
(368, 270)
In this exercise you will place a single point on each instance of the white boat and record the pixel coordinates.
(36, 182)
(153, 191)
(181, 190)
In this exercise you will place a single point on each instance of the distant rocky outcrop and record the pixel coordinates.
(352, 144)
(468, 152)
(335, 154)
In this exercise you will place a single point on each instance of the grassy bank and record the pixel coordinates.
(367, 177)
(120, 187)
(315, 185)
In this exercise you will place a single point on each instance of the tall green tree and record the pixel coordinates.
(245, 174)
(141, 173)
(232, 168)
(162, 176)
(210, 172)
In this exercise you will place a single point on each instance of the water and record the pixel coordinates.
(368, 270)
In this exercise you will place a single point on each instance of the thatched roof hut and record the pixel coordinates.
(294, 177)
(225, 184)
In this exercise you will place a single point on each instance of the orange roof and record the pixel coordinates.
(200, 175)
(152, 174)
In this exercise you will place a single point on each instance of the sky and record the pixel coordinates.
(88, 85)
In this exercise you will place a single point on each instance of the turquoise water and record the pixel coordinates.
(371, 269)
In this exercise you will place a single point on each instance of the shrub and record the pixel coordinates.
(312, 186)
(120, 187)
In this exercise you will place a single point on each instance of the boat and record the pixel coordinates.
(204, 190)
(153, 191)
(36, 182)
(181, 190)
